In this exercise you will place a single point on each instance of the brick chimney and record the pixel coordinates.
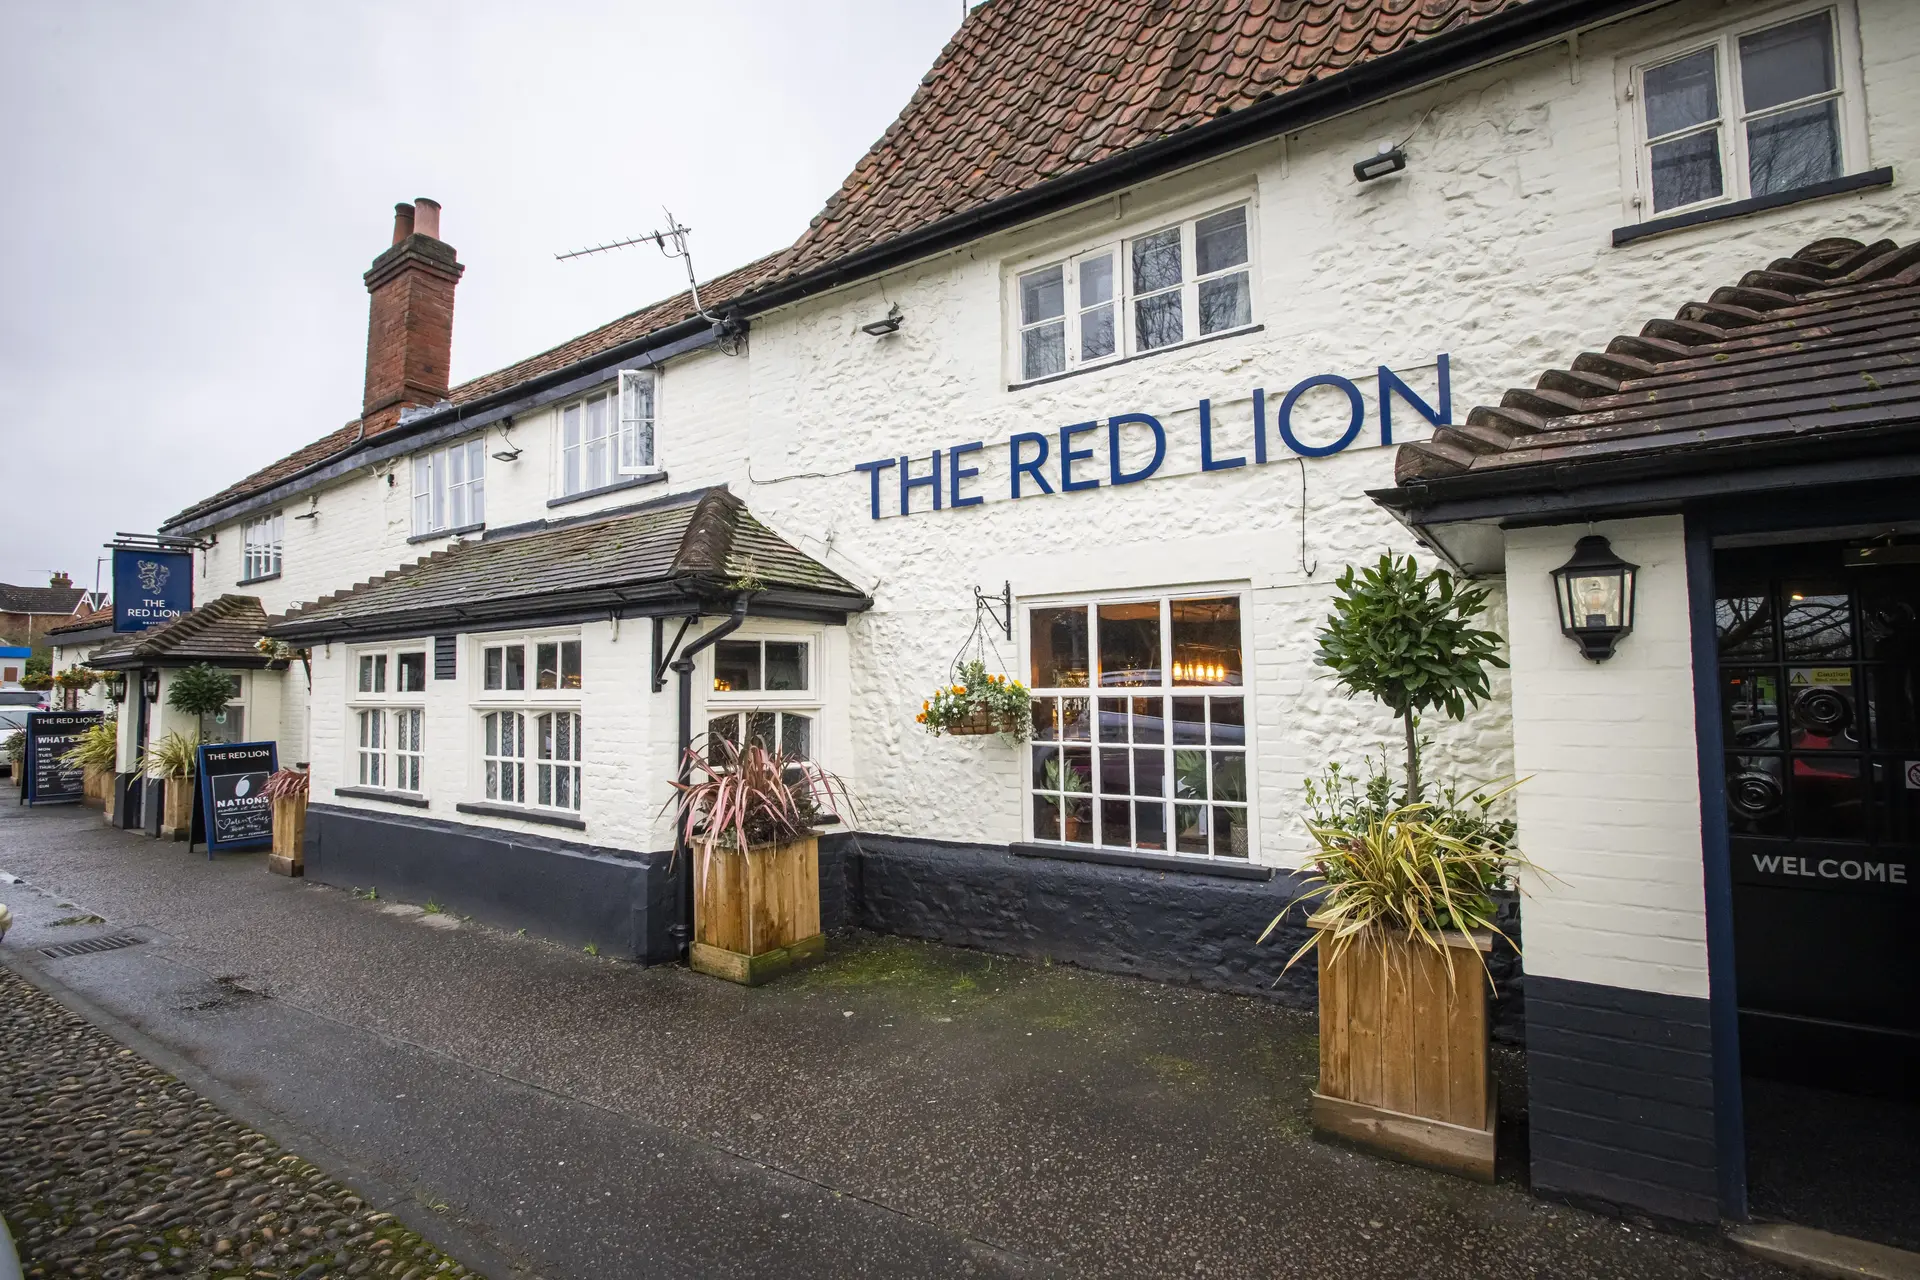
(410, 325)
(61, 580)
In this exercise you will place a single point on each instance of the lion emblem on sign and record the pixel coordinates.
(154, 575)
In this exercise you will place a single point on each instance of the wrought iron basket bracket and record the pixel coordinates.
(999, 609)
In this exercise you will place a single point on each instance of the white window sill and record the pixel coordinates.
(1084, 369)
(547, 817)
(412, 799)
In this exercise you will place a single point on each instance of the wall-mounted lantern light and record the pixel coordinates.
(1389, 159)
(1594, 591)
(888, 324)
(150, 686)
(117, 686)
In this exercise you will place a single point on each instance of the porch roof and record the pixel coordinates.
(1813, 359)
(222, 631)
(666, 557)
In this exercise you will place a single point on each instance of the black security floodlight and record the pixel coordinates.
(888, 324)
(1594, 591)
(1389, 159)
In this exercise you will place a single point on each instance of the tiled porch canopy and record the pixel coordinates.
(1805, 372)
(668, 557)
(224, 631)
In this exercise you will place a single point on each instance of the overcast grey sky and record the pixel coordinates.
(192, 191)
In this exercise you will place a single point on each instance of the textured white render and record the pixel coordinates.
(1611, 806)
(1493, 247)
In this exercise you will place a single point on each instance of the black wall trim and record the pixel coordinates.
(521, 815)
(631, 482)
(383, 796)
(1881, 177)
(1149, 861)
(556, 889)
(1621, 1098)
(1730, 1133)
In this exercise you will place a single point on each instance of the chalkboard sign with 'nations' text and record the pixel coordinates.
(236, 813)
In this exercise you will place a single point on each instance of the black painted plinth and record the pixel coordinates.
(564, 891)
(1621, 1098)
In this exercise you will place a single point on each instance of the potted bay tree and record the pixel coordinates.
(1402, 887)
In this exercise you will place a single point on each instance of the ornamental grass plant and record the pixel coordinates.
(174, 756)
(98, 748)
(743, 796)
(1389, 866)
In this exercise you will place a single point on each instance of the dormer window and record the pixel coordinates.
(450, 488)
(608, 435)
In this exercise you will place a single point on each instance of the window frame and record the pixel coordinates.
(270, 555)
(614, 393)
(427, 484)
(1070, 257)
(384, 705)
(1732, 119)
(1167, 689)
(531, 705)
(768, 699)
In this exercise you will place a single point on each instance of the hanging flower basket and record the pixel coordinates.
(978, 703)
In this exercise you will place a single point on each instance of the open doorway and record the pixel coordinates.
(1819, 670)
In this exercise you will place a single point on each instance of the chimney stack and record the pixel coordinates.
(410, 321)
(61, 580)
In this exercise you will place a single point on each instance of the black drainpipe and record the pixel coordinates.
(683, 665)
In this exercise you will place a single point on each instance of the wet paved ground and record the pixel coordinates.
(903, 1110)
(112, 1169)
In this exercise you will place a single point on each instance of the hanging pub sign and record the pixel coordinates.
(235, 813)
(150, 587)
(49, 779)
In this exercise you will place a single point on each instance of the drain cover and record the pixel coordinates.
(112, 942)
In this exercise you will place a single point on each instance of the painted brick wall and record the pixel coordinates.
(1611, 808)
(1493, 247)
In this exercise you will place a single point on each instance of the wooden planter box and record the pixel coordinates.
(1403, 1052)
(289, 837)
(110, 797)
(756, 914)
(176, 812)
(95, 786)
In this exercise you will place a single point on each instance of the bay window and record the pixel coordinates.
(1140, 725)
(1171, 285)
(450, 488)
(764, 693)
(531, 751)
(389, 751)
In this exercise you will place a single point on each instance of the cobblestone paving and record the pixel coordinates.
(110, 1168)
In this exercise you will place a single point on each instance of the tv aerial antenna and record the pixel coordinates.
(672, 243)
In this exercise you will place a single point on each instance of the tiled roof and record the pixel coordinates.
(714, 294)
(1815, 346)
(222, 631)
(39, 599)
(84, 622)
(707, 541)
(1030, 90)
(1025, 92)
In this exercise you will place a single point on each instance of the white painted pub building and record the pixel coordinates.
(1106, 379)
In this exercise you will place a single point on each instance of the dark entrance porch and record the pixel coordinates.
(1819, 678)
